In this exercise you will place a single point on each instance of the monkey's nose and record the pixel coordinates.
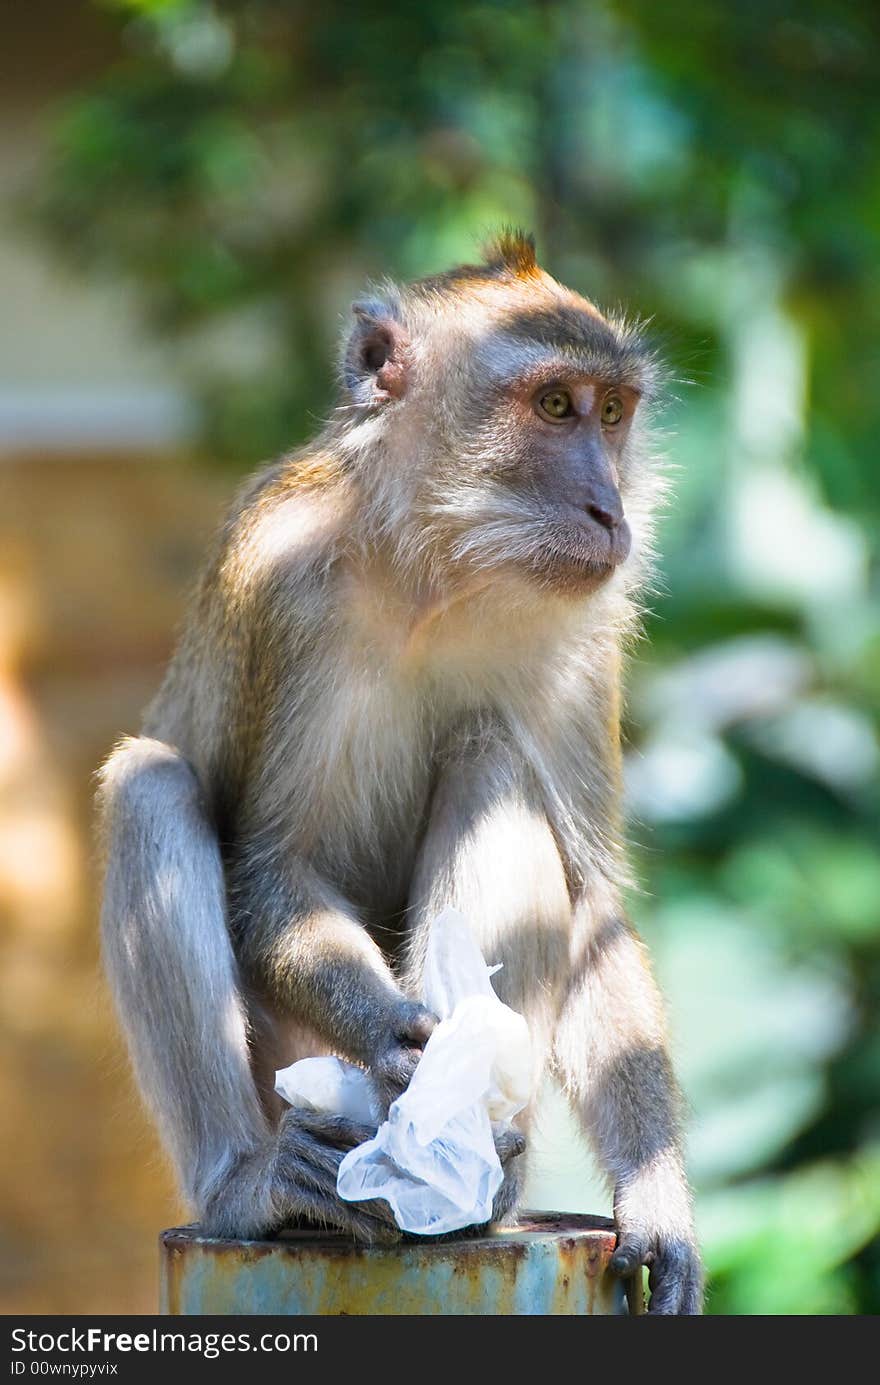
(606, 509)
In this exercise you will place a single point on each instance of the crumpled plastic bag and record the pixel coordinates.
(330, 1085)
(433, 1160)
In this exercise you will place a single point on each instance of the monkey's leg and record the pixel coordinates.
(610, 1051)
(489, 852)
(175, 980)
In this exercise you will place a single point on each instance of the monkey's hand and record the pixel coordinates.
(655, 1228)
(310, 1148)
(397, 1048)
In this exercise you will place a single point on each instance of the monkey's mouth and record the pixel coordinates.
(581, 551)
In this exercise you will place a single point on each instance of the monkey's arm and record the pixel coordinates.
(612, 1054)
(169, 961)
(302, 941)
(488, 850)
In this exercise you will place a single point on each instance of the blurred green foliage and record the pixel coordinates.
(247, 165)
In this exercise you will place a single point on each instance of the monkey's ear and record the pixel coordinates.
(376, 362)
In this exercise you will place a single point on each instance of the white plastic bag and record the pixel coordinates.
(329, 1084)
(434, 1158)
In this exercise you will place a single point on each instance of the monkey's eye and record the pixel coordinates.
(612, 411)
(556, 405)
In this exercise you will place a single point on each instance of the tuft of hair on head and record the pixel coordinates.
(513, 250)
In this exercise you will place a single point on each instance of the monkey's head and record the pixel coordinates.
(508, 416)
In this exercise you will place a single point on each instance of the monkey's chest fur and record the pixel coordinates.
(359, 792)
(357, 736)
(350, 783)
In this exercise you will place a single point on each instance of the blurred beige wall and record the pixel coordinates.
(101, 525)
(94, 558)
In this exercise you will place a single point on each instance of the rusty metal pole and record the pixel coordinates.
(551, 1263)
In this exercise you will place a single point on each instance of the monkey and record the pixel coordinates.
(398, 687)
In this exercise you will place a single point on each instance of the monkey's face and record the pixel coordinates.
(537, 481)
(509, 409)
(556, 441)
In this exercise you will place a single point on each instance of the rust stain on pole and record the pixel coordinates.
(551, 1263)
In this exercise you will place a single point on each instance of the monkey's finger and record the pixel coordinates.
(340, 1216)
(632, 1250)
(304, 1154)
(508, 1143)
(394, 1070)
(373, 1215)
(666, 1298)
(311, 1193)
(379, 1210)
(692, 1297)
(318, 1165)
(311, 1176)
(369, 1223)
(668, 1279)
(693, 1290)
(415, 1024)
(338, 1131)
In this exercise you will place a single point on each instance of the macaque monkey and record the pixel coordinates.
(398, 688)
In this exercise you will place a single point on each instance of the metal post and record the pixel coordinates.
(551, 1263)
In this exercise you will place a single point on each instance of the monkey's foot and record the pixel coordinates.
(675, 1278)
(310, 1148)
